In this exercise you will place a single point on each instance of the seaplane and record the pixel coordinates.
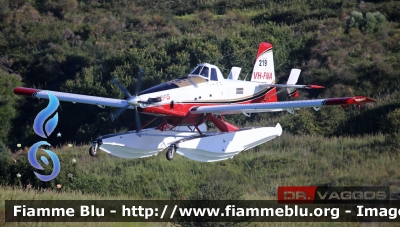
(187, 103)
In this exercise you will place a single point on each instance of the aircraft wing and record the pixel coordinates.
(70, 97)
(278, 106)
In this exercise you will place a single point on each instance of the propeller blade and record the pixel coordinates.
(137, 119)
(118, 112)
(122, 88)
(139, 81)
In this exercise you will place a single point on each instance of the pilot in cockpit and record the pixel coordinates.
(204, 72)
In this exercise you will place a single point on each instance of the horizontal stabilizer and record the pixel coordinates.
(291, 85)
(308, 86)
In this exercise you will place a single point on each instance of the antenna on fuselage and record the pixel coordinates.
(245, 77)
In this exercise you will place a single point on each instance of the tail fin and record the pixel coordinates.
(264, 66)
(294, 76)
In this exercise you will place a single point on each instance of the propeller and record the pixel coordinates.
(122, 88)
(139, 81)
(132, 100)
(118, 112)
(137, 120)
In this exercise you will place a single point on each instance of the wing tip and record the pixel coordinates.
(25, 91)
(363, 99)
(313, 86)
(356, 100)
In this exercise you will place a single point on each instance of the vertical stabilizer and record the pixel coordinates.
(294, 76)
(234, 74)
(264, 66)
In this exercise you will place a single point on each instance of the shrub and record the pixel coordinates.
(355, 20)
(220, 186)
(372, 22)
(393, 127)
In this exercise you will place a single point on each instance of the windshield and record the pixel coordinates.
(200, 70)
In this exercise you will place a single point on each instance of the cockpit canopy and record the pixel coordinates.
(204, 70)
(200, 70)
(208, 71)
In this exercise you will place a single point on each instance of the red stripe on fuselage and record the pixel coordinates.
(182, 109)
(25, 91)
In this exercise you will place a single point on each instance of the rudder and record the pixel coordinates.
(263, 70)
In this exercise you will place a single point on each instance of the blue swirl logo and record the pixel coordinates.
(32, 159)
(44, 114)
(49, 128)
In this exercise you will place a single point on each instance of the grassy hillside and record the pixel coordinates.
(254, 174)
(350, 47)
(7, 193)
(15, 193)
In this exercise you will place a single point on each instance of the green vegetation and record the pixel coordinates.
(350, 47)
(255, 174)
